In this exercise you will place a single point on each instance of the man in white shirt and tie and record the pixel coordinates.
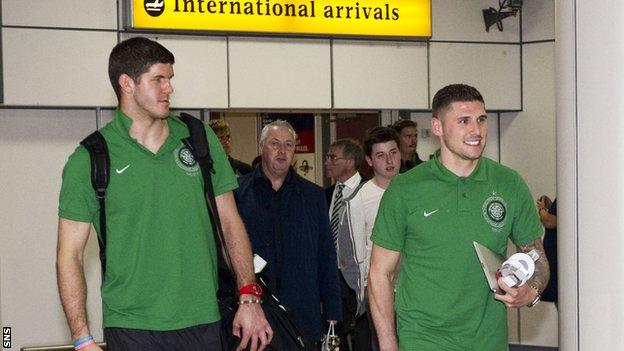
(344, 158)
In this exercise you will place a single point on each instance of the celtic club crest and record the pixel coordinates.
(495, 211)
(185, 160)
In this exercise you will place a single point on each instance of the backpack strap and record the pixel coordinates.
(355, 191)
(100, 175)
(198, 145)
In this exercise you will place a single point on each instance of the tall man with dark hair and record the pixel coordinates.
(430, 217)
(408, 136)
(286, 217)
(160, 283)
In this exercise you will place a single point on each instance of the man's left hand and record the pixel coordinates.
(515, 297)
(251, 326)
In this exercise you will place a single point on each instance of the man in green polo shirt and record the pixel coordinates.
(429, 217)
(160, 283)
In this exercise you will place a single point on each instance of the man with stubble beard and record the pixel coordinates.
(160, 283)
(429, 217)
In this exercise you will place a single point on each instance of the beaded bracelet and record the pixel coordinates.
(243, 302)
(83, 342)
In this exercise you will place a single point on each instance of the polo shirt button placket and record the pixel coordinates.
(464, 201)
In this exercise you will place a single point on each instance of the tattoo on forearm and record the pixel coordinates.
(542, 271)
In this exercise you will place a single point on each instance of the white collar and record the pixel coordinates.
(352, 182)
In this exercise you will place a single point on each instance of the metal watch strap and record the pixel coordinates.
(537, 298)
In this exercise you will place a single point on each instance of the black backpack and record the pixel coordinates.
(286, 335)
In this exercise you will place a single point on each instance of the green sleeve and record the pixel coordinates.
(526, 223)
(223, 179)
(390, 225)
(77, 198)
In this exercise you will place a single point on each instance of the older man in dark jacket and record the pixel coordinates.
(286, 218)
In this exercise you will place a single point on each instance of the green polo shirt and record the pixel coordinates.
(432, 217)
(161, 263)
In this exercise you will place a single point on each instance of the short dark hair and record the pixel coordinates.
(378, 135)
(453, 93)
(134, 57)
(351, 149)
(403, 123)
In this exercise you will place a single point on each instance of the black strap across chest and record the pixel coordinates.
(196, 142)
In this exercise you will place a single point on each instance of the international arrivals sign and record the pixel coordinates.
(370, 18)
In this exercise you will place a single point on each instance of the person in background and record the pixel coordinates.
(547, 210)
(159, 288)
(224, 133)
(408, 136)
(256, 161)
(286, 217)
(344, 158)
(381, 149)
(429, 217)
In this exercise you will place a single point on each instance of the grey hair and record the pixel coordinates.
(351, 149)
(280, 123)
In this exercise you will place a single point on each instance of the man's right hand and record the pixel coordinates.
(251, 326)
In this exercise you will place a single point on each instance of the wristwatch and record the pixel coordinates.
(537, 298)
(252, 289)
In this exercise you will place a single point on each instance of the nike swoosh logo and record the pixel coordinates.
(427, 214)
(120, 171)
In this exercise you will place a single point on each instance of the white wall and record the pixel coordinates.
(256, 72)
(386, 74)
(591, 154)
(528, 145)
(35, 145)
(244, 143)
(54, 58)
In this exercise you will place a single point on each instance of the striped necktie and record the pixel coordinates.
(336, 212)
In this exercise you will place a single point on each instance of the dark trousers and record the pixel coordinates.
(358, 327)
(206, 337)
